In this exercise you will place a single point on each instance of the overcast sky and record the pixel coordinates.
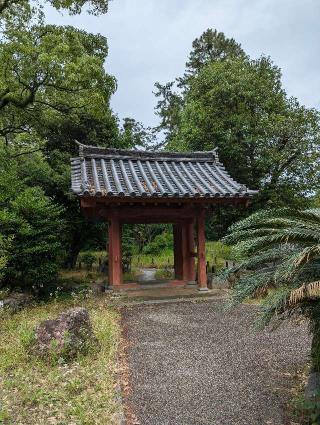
(149, 41)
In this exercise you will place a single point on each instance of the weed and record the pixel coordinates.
(37, 392)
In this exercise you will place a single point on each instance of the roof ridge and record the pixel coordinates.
(87, 150)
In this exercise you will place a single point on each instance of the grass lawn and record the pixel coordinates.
(216, 254)
(34, 392)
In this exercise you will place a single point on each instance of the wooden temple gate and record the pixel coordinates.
(140, 187)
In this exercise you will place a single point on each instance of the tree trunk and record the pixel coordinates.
(72, 254)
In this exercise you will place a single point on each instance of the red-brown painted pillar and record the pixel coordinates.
(202, 274)
(114, 252)
(177, 251)
(191, 275)
(185, 252)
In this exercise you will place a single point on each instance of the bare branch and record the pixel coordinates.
(25, 153)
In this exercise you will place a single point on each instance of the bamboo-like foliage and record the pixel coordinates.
(279, 254)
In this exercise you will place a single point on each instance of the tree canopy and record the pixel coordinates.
(72, 6)
(266, 139)
(51, 70)
(53, 90)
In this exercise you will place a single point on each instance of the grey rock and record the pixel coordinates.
(66, 336)
(98, 288)
(16, 301)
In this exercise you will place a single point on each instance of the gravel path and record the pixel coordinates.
(195, 364)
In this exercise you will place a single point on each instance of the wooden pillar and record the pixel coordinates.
(191, 275)
(114, 252)
(202, 274)
(184, 251)
(183, 237)
(177, 251)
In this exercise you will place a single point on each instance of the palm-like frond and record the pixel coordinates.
(268, 256)
(304, 292)
(280, 249)
(305, 217)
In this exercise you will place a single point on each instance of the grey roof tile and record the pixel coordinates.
(124, 173)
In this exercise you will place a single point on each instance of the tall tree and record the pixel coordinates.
(60, 134)
(227, 100)
(50, 69)
(212, 46)
(31, 223)
(54, 90)
(135, 135)
(265, 139)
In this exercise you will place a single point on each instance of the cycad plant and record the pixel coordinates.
(279, 255)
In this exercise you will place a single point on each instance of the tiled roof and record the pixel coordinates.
(125, 173)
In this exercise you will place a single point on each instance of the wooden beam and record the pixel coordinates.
(88, 201)
(148, 214)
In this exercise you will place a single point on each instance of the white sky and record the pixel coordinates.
(149, 41)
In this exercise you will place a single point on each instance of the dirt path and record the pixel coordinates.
(196, 364)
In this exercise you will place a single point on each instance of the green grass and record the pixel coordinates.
(165, 273)
(161, 260)
(216, 252)
(35, 392)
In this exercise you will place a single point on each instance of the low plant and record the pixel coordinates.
(279, 251)
(88, 259)
(165, 273)
(33, 391)
(161, 242)
(307, 410)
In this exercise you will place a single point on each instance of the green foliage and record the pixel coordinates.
(35, 228)
(135, 135)
(54, 90)
(31, 228)
(217, 249)
(279, 255)
(211, 46)
(161, 260)
(141, 235)
(88, 259)
(94, 7)
(50, 72)
(236, 104)
(5, 245)
(307, 411)
(161, 242)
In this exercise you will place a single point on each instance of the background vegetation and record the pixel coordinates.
(54, 90)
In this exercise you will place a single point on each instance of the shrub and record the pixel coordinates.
(279, 250)
(160, 243)
(88, 259)
(32, 223)
(5, 244)
(307, 411)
